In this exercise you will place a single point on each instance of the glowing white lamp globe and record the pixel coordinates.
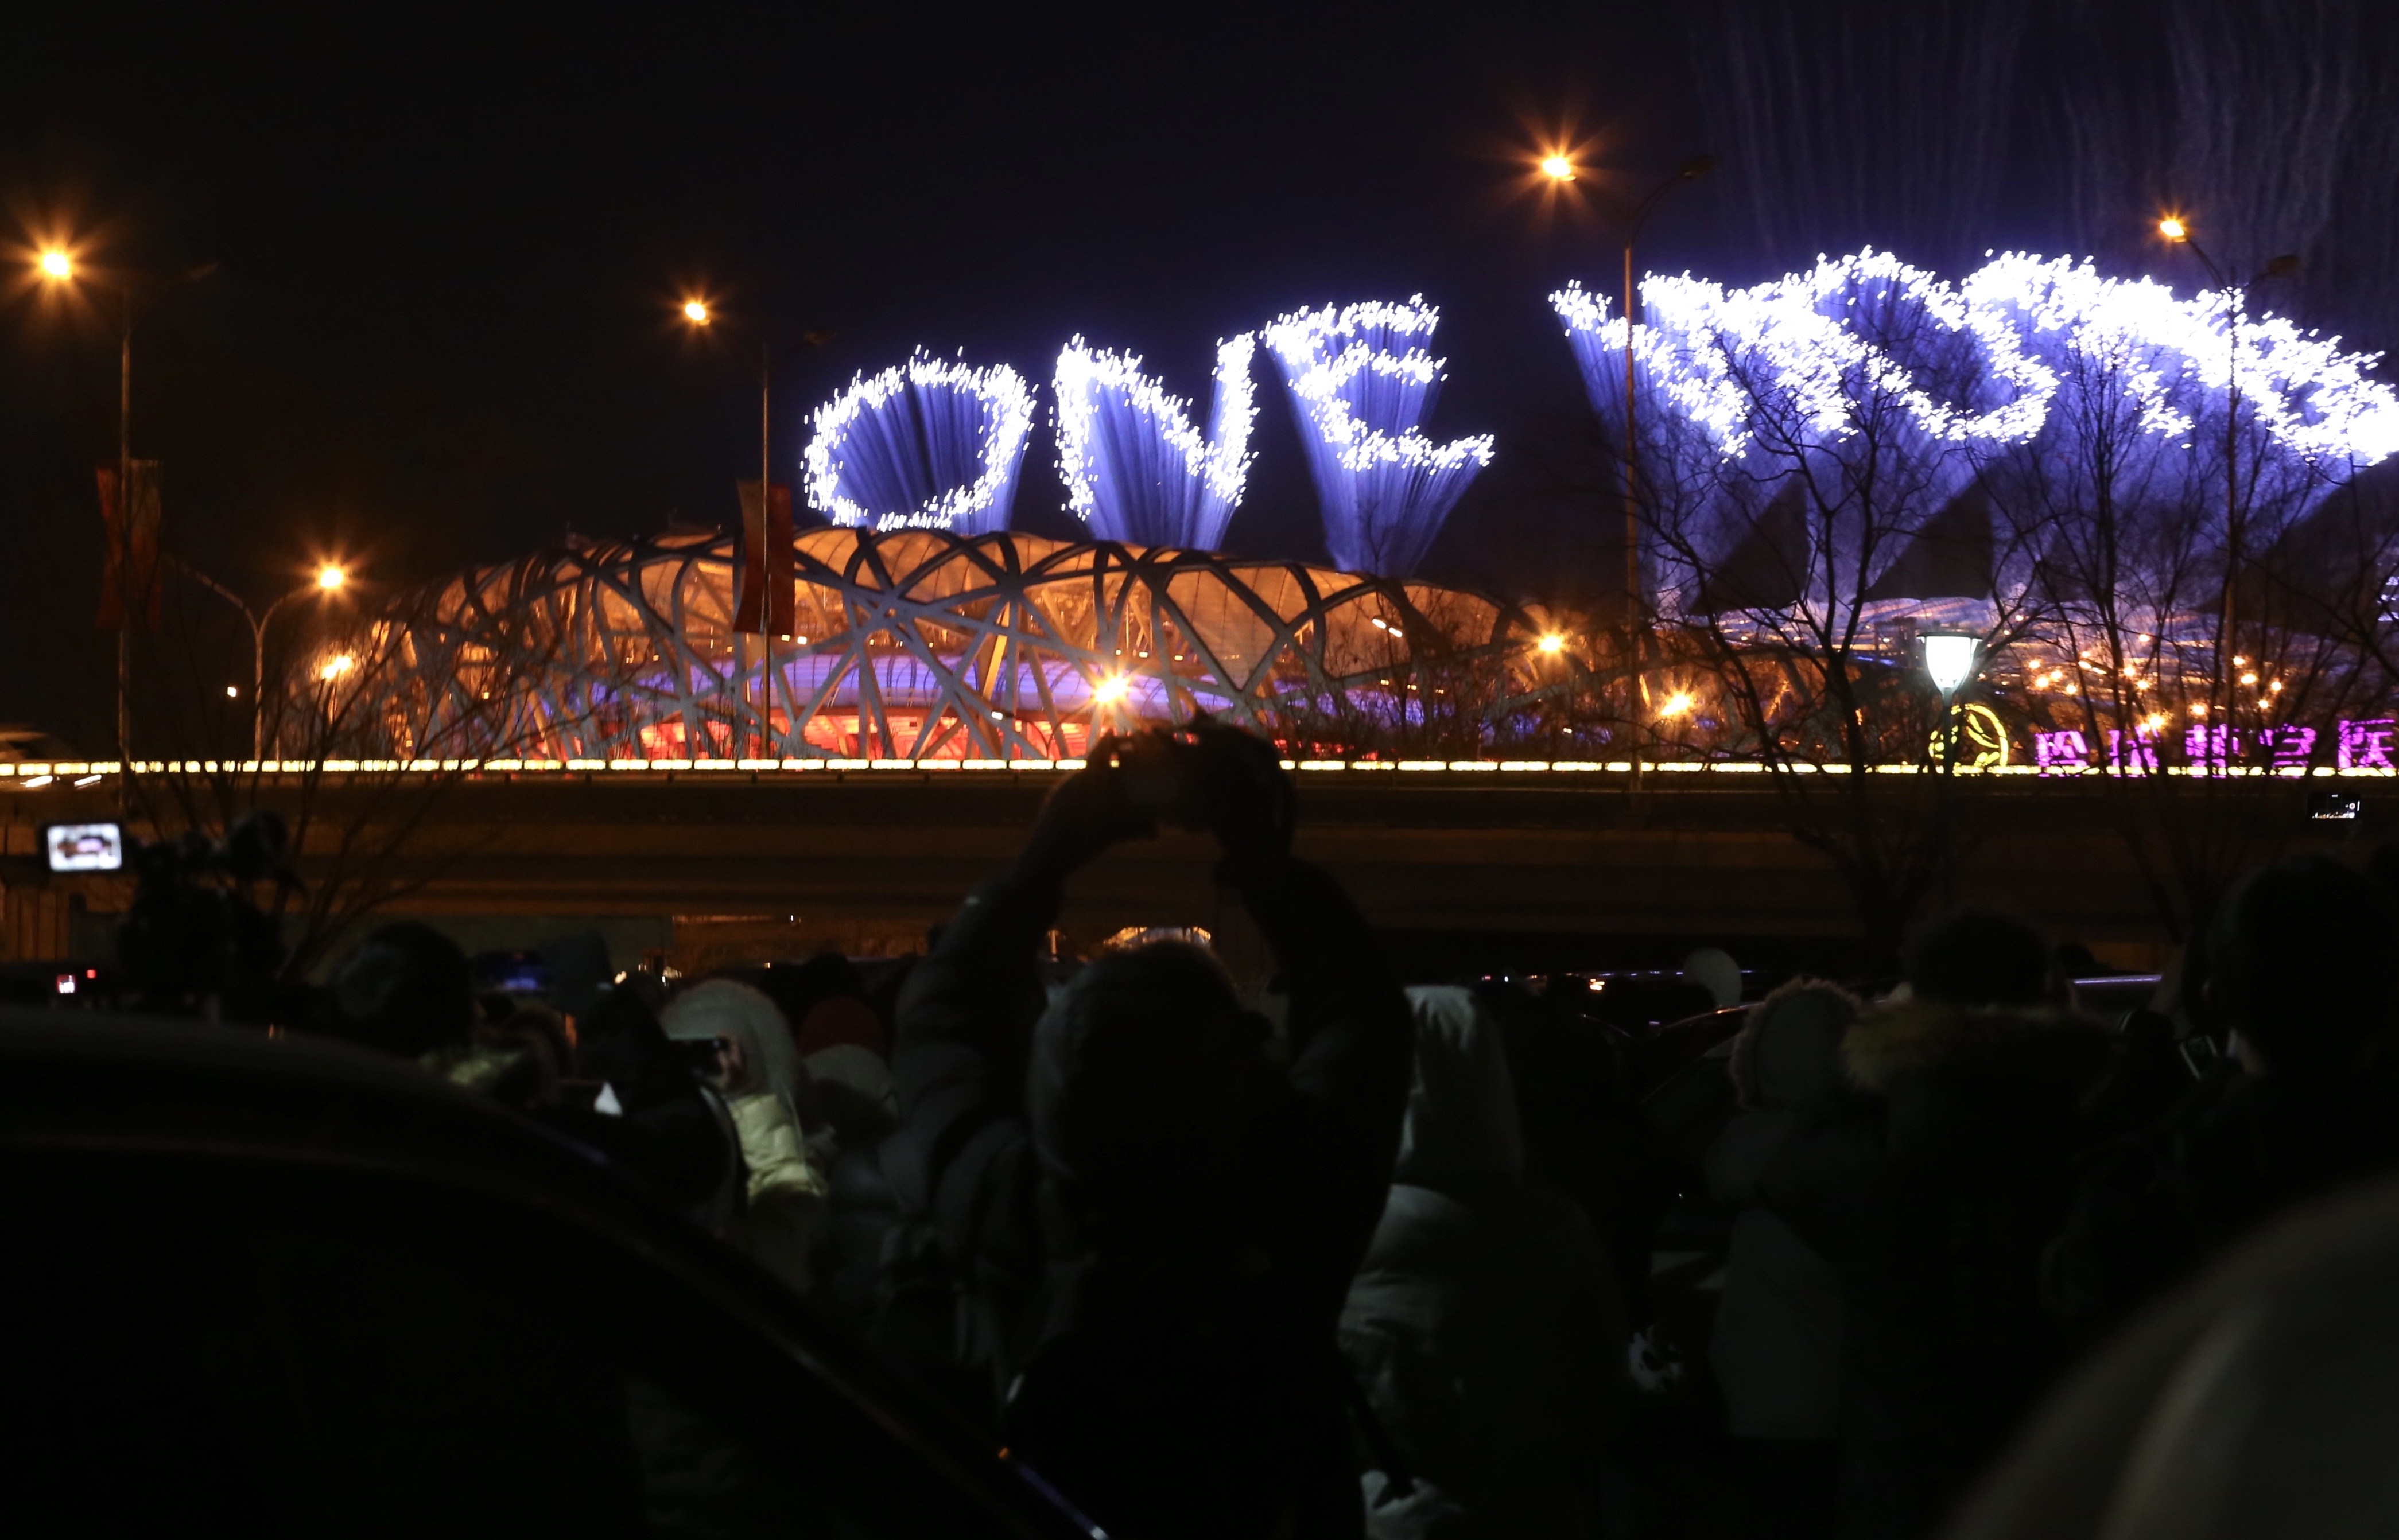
(1950, 661)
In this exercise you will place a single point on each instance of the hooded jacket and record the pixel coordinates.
(784, 1194)
(1777, 1348)
(1185, 1372)
(1932, 1184)
(1484, 1325)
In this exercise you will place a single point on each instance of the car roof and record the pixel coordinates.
(75, 1081)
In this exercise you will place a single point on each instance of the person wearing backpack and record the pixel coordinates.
(1150, 1225)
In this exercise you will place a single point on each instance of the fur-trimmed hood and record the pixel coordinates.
(1988, 1095)
(1891, 1042)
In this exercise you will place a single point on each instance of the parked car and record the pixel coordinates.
(277, 1286)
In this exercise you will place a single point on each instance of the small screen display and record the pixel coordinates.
(85, 847)
(2334, 806)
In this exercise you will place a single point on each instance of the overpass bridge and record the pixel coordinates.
(1458, 862)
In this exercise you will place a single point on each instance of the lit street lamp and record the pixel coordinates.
(2176, 231)
(58, 265)
(1560, 167)
(1950, 661)
(331, 580)
(699, 315)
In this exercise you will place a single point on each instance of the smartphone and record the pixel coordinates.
(85, 847)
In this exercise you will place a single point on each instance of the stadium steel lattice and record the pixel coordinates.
(925, 645)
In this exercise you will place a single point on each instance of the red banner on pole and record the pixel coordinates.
(129, 584)
(769, 592)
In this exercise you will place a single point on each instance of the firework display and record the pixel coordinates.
(1135, 468)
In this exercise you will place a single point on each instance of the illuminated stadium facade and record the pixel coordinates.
(925, 645)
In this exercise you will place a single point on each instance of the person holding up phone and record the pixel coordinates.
(1152, 1228)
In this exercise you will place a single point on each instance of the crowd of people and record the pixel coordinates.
(1298, 1249)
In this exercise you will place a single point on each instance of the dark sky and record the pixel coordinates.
(441, 327)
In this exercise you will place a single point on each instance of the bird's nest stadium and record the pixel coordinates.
(924, 645)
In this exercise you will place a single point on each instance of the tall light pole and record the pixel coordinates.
(700, 315)
(2177, 231)
(1560, 169)
(58, 265)
(329, 580)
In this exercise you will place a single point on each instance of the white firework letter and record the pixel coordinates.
(928, 444)
(1135, 468)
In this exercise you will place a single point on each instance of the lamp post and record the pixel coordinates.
(1560, 169)
(2177, 231)
(57, 264)
(699, 315)
(331, 580)
(1950, 661)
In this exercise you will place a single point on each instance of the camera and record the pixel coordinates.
(1156, 777)
(701, 1057)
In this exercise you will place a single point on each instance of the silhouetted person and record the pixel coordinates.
(1975, 957)
(406, 989)
(1777, 1348)
(761, 1085)
(1932, 1184)
(2302, 970)
(1153, 1228)
(1484, 1325)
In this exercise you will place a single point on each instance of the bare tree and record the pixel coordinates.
(1814, 478)
(2187, 644)
(371, 727)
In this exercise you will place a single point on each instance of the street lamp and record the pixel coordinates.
(331, 580)
(57, 264)
(1560, 167)
(1950, 661)
(699, 315)
(2177, 231)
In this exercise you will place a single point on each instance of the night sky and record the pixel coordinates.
(443, 330)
